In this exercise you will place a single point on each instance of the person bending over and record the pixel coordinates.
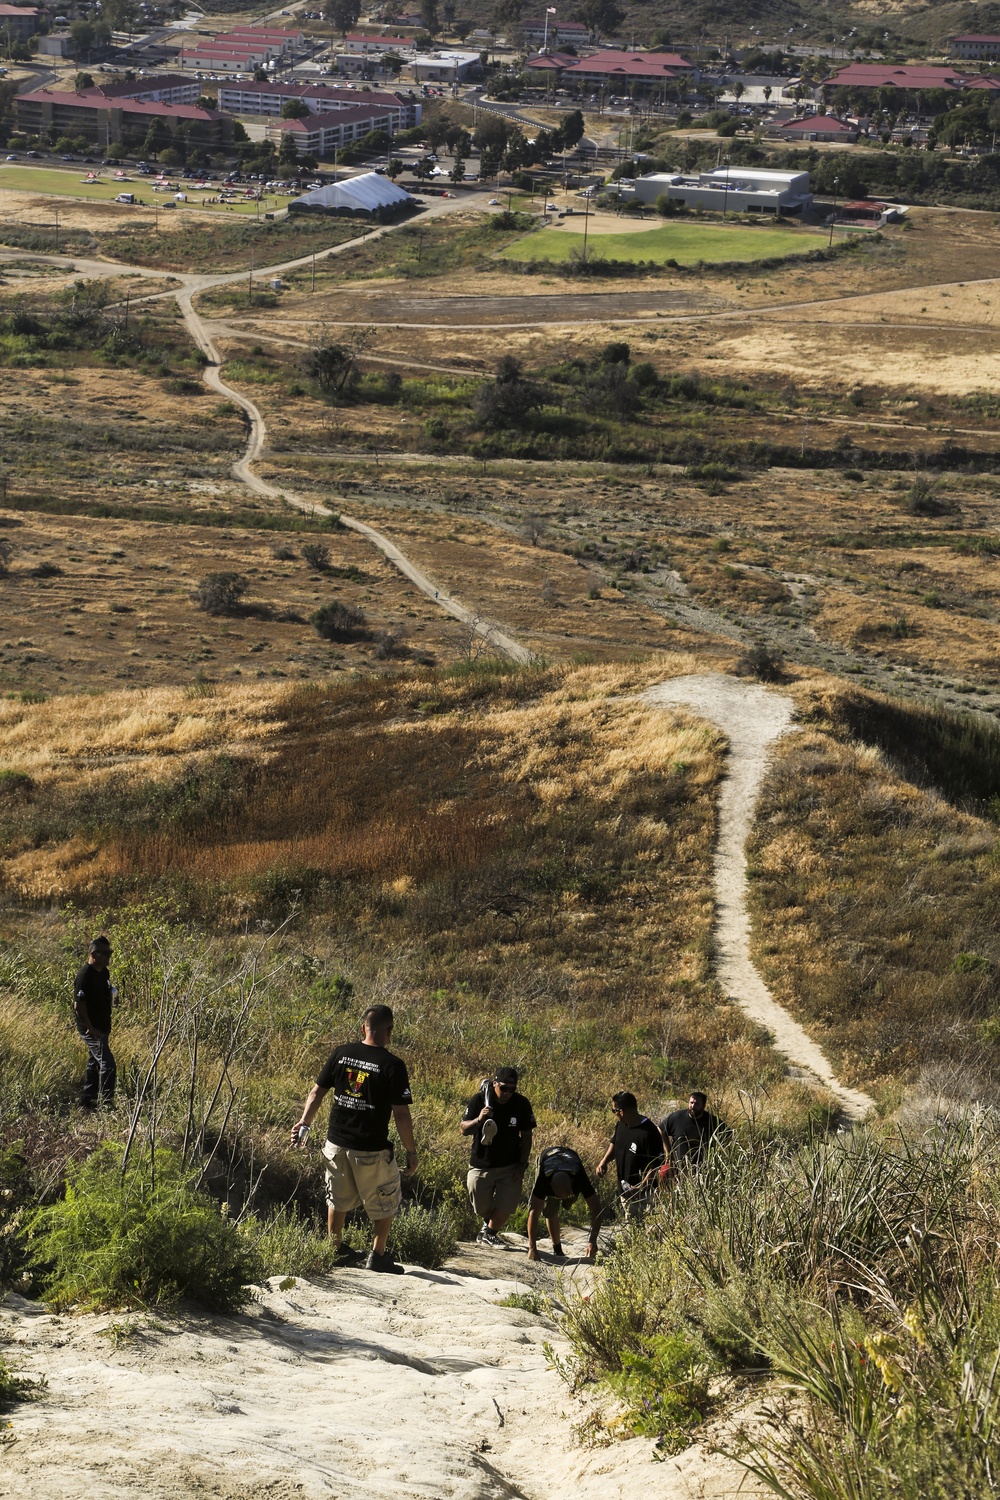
(369, 1084)
(561, 1179)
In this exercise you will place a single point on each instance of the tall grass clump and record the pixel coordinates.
(859, 1273)
(134, 1237)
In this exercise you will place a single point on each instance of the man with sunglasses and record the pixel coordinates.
(637, 1150)
(92, 1000)
(500, 1122)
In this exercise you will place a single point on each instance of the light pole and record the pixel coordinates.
(586, 225)
(833, 216)
(725, 191)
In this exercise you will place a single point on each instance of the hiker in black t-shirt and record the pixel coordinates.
(689, 1133)
(369, 1085)
(561, 1178)
(500, 1122)
(637, 1150)
(92, 1002)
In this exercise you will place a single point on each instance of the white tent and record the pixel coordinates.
(366, 194)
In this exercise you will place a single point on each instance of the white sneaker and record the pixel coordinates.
(489, 1131)
(491, 1239)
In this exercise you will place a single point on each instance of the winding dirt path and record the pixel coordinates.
(752, 717)
(487, 631)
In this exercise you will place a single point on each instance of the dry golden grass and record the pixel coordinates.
(874, 906)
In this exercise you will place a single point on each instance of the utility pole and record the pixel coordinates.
(250, 282)
(313, 286)
(586, 225)
(833, 216)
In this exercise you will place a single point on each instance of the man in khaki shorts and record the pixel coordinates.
(369, 1084)
(500, 1121)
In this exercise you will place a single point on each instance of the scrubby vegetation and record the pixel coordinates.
(855, 1276)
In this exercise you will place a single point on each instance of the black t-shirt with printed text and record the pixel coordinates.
(366, 1083)
(637, 1148)
(561, 1159)
(93, 987)
(513, 1114)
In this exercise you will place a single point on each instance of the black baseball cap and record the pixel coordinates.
(506, 1075)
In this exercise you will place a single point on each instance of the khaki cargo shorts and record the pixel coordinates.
(495, 1192)
(369, 1178)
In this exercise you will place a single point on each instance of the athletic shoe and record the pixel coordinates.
(558, 1252)
(385, 1263)
(489, 1131)
(346, 1255)
(491, 1239)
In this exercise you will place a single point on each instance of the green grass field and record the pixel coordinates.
(685, 243)
(55, 182)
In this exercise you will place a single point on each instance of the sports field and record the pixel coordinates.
(685, 243)
(69, 183)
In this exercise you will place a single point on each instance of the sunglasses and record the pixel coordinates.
(503, 1088)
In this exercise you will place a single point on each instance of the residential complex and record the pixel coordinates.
(268, 99)
(92, 114)
(985, 48)
(18, 22)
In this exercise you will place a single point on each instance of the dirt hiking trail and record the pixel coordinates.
(752, 717)
(414, 1387)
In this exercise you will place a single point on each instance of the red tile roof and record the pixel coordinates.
(631, 64)
(94, 99)
(826, 123)
(894, 75)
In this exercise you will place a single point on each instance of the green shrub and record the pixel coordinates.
(14, 1387)
(130, 1240)
(664, 1390)
(287, 1245)
(15, 1195)
(422, 1237)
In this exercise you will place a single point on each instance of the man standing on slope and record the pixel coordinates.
(500, 1121)
(689, 1133)
(561, 1178)
(637, 1150)
(92, 1000)
(369, 1084)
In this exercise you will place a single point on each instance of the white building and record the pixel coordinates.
(445, 67)
(730, 189)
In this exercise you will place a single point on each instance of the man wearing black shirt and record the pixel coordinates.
(369, 1085)
(500, 1122)
(688, 1133)
(637, 1150)
(92, 998)
(561, 1178)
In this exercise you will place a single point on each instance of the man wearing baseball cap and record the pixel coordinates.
(500, 1122)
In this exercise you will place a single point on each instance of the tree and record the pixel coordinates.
(424, 168)
(602, 16)
(295, 109)
(767, 92)
(534, 527)
(457, 173)
(220, 593)
(343, 14)
(334, 368)
(394, 168)
(448, 11)
(83, 81)
(572, 129)
(207, 101)
(340, 622)
(288, 153)
(171, 157)
(506, 400)
(429, 16)
(738, 91)
(82, 35)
